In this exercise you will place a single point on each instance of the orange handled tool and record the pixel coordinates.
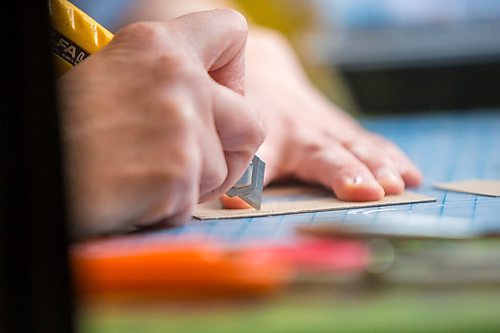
(160, 269)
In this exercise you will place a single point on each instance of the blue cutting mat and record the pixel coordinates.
(446, 146)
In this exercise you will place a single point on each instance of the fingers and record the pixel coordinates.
(215, 38)
(336, 168)
(214, 167)
(359, 171)
(240, 131)
(240, 127)
(389, 165)
(381, 165)
(412, 176)
(218, 38)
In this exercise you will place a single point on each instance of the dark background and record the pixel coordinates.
(35, 288)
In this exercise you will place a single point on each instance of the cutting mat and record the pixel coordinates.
(446, 146)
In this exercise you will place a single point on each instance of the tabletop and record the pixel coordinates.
(446, 146)
(436, 286)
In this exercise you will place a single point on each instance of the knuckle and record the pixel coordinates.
(347, 163)
(184, 156)
(175, 68)
(179, 199)
(179, 171)
(353, 145)
(382, 162)
(261, 130)
(377, 140)
(311, 144)
(173, 61)
(256, 133)
(164, 183)
(145, 34)
(173, 116)
(253, 136)
(173, 151)
(235, 20)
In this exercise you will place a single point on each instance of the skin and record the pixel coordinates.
(168, 126)
(309, 138)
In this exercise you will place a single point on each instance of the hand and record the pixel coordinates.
(309, 138)
(155, 123)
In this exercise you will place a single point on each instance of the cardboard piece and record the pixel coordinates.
(299, 199)
(486, 187)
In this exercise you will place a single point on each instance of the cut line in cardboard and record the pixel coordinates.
(300, 199)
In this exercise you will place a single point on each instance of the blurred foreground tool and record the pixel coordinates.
(421, 251)
(398, 226)
(312, 255)
(76, 35)
(193, 269)
(165, 268)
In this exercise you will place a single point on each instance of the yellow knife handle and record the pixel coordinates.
(75, 35)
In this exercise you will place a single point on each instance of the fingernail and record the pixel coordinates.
(359, 188)
(359, 180)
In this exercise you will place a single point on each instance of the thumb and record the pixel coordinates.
(218, 38)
